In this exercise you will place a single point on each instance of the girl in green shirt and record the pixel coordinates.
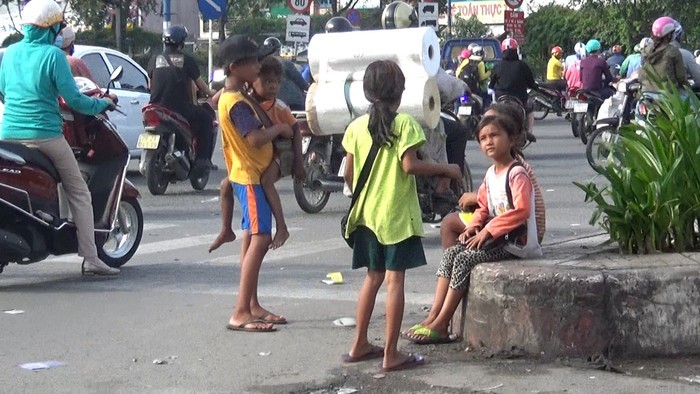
(386, 219)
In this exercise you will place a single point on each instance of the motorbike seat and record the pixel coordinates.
(550, 88)
(595, 97)
(32, 156)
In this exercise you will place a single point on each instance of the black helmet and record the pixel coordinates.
(338, 24)
(273, 43)
(175, 35)
(399, 15)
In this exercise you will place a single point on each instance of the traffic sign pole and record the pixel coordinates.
(211, 57)
(166, 15)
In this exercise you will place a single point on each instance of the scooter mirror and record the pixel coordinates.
(115, 76)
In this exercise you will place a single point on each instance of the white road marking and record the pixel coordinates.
(166, 245)
(157, 226)
(290, 251)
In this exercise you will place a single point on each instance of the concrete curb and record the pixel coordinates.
(584, 300)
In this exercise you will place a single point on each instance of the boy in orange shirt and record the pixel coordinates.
(288, 157)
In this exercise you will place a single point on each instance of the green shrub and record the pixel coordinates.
(652, 201)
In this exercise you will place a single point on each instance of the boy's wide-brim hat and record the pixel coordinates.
(240, 47)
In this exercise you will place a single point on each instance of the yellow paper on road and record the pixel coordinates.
(334, 278)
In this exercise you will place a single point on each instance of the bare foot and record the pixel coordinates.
(222, 238)
(281, 236)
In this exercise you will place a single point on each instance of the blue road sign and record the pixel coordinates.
(212, 9)
(353, 16)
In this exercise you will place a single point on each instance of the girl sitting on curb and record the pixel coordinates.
(506, 204)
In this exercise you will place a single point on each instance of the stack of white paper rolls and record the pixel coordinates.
(338, 62)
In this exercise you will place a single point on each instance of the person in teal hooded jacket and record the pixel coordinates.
(34, 72)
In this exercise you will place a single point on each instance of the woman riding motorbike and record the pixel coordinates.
(661, 59)
(32, 116)
(512, 77)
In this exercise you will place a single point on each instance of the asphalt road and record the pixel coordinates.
(172, 301)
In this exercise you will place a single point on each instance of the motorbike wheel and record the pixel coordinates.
(599, 150)
(199, 178)
(125, 238)
(538, 109)
(575, 130)
(309, 198)
(156, 180)
(586, 126)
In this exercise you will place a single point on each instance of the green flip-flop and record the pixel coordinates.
(431, 337)
(407, 334)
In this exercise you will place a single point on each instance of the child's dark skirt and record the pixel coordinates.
(368, 252)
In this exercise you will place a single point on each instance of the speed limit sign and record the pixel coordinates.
(299, 6)
(514, 4)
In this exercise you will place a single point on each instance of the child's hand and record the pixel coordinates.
(467, 200)
(453, 171)
(477, 241)
(467, 234)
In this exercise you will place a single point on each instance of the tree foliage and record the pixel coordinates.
(471, 27)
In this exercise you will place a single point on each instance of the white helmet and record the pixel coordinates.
(642, 44)
(42, 13)
(580, 49)
(67, 37)
(477, 53)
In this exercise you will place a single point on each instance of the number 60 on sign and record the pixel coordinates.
(299, 6)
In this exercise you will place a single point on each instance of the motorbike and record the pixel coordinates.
(324, 163)
(169, 145)
(616, 111)
(35, 219)
(547, 99)
(584, 121)
(469, 112)
(324, 156)
(619, 109)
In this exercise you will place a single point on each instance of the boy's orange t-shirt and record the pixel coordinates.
(279, 112)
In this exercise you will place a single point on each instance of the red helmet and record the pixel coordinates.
(509, 43)
(556, 49)
(465, 54)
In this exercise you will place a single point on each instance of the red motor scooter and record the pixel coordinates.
(35, 220)
(169, 147)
